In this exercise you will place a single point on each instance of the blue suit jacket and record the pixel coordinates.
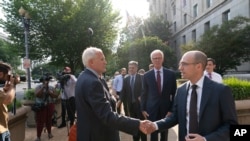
(96, 119)
(217, 112)
(157, 105)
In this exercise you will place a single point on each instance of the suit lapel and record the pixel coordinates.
(183, 100)
(206, 93)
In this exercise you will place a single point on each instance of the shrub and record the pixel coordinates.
(29, 94)
(18, 105)
(240, 88)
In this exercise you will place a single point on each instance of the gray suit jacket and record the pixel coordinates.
(96, 118)
(217, 112)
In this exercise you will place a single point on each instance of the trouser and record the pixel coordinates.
(5, 136)
(135, 112)
(44, 117)
(69, 106)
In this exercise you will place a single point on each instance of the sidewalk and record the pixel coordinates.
(62, 135)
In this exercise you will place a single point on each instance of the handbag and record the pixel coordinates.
(37, 107)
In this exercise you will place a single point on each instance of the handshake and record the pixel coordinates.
(147, 127)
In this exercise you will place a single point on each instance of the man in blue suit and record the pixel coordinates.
(97, 119)
(215, 108)
(159, 90)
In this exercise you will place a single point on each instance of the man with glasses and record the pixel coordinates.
(209, 119)
(159, 89)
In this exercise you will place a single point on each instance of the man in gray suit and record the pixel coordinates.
(214, 109)
(130, 96)
(97, 119)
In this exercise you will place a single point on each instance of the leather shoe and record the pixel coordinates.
(62, 125)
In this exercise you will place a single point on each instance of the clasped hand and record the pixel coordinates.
(147, 127)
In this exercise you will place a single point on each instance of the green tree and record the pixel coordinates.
(140, 49)
(62, 29)
(9, 54)
(140, 28)
(228, 44)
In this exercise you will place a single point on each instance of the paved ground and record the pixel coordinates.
(62, 135)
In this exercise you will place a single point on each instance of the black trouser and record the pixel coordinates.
(68, 105)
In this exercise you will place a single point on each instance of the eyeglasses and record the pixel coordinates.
(157, 58)
(184, 64)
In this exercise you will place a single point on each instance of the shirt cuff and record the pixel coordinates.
(156, 126)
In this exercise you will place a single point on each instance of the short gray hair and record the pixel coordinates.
(89, 53)
(156, 51)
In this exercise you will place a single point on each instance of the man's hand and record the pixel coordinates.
(145, 114)
(147, 127)
(194, 137)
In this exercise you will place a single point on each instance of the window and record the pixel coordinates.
(184, 3)
(184, 39)
(226, 16)
(185, 19)
(207, 26)
(209, 3)
(174, 9)
(195, 10)
(175, 28)
(194, 35)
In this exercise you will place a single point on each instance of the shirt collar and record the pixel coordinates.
(199, 83)
(93, 72)
(161, 70)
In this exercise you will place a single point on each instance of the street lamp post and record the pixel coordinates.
(26, 25)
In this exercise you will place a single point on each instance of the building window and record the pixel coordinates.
(226, 16)
(207, 26)
(195, 10)
(184, 3)
(175, 28)
(174, 9)
(184, 39)
(185, 19)
(194, 35)
(209, 3)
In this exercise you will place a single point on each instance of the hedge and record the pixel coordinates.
(240, 88)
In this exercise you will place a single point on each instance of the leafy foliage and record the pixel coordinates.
(228, 44)
(240, 88)
(62, 29)
(9, 54)
(140, 49)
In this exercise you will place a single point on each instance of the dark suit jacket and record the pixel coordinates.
(217, 112)
(157, 105)
(96, 120)
(126, 94)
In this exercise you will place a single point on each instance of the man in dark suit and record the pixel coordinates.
(131, 94)
(97, 119)
(159, 90)
(215, 107)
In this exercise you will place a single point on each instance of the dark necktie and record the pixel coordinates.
(193, 117)
(159, 81)
(210, 75)
(132, 84)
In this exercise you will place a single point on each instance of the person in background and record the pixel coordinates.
(150, 66)
(45, 95)
(67, 84)
(141, 71)
(117, 86)
(97, 119)
(158, 92)
(131, 96)
(214, 100)
(7, 94)
(209, 72)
